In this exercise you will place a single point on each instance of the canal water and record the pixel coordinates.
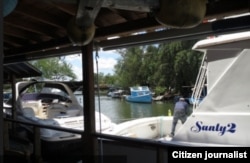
(119, 110)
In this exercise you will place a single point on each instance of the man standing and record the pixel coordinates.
(180, 113)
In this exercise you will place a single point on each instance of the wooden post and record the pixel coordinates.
(89, 142)
(6, 136)
(37, 145)
(1, 85)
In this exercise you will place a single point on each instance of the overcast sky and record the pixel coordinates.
(106, 62)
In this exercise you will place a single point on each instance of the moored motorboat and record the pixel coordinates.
(222, 117)
(53, 103)
(116, 93)
(158, 98)
(140, 94)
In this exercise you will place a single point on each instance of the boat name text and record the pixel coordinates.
(221, 129)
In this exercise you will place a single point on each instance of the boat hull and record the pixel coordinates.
(139, 94)
(139, 99)
(145, 128)
(222, 117)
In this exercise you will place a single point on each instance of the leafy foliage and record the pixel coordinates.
(55, 68)
(170, 65)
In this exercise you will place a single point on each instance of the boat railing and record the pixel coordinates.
(118, 142)
(200, 83)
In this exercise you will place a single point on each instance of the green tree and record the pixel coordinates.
(149, 65)
(55, 68)
(110, 79)
(169, 65)
(129, 66)
(186, 67)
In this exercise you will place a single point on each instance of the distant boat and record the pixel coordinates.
(158, 98)
(140, 94)
(115, 93)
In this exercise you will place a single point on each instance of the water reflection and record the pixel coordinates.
(140, 110)
(119, 110)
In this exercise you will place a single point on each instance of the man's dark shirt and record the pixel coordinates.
(181, 106)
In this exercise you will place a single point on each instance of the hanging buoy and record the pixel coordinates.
(80, 35)
(8, 6)
(181, 13)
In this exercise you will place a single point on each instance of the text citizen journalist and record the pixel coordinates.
(208, 155)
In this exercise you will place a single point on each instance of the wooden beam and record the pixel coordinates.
(90, 142)
(202, 31)
(126, 28)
